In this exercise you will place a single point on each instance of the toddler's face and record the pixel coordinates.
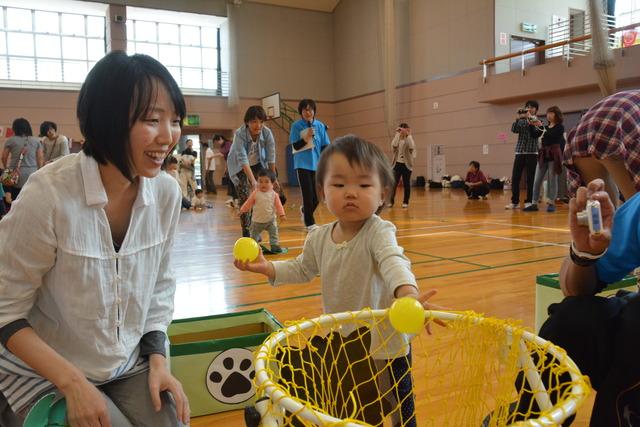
(352, 193)
(172, 167)
(264, 184)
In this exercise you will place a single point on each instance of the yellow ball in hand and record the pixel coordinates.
(407, 315)
(246, 249)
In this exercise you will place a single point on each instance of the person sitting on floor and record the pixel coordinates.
(476, 184)
(199, 202)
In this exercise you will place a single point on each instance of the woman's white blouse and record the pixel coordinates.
(59, 269)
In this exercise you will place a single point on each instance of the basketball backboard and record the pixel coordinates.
(271, 105)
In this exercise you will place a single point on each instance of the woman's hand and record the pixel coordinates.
(86, 406)
(309, 134)
(160, 379)
(585, 241)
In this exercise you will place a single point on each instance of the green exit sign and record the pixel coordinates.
(192, 120)
(528, 27)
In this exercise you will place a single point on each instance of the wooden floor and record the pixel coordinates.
(478, 256)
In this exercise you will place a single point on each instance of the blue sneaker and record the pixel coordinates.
(551, 208)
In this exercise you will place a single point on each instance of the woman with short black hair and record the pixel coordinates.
(404, 151)
(23, 151)
(252, 150)
(53, 144)
(86, 286)
(308, 137)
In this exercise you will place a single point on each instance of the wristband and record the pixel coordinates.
(583, 259)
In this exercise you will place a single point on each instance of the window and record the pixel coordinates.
(49, 48)
(187, 44)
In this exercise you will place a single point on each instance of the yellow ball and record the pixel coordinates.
(246, 249)
(407, 315)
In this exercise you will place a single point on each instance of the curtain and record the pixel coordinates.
(603, 61)
(233, 100)
(389, 59)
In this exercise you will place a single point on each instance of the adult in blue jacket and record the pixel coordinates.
(252, 150)
(308, 137)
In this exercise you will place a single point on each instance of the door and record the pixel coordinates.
(520, 44)
(576, 29)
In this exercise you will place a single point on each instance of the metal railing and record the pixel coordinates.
(576, 26)
(560, 44)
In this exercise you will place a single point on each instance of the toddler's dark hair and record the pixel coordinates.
(268, 173)
(359, 153)
(198, 191)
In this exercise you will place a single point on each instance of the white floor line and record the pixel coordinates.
(535, 227)
(431, 227)
(460, 232)
(434, 227)
(563, 245)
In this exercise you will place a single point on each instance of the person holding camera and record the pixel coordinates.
(404, 149)
(526, 154)
(549, 157)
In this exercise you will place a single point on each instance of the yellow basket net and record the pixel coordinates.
(341, 370)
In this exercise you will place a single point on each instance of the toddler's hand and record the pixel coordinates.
(259, 265)
(283, 218)
(424, 300)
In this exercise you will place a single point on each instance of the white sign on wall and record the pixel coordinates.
(436, 163)
(439, 168)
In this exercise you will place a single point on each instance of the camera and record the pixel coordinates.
(523, 111)
(591, 217)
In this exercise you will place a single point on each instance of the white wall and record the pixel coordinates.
(509, 14)
(447, 37)
(357, 48)
(285, 50)
(434, 38)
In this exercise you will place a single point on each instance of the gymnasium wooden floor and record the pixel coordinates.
(478, 256)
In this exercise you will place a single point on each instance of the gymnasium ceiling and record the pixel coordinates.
(319, 5)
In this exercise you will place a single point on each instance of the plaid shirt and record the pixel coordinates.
(611, 128)
(527, 143)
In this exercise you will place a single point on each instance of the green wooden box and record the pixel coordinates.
(213, 358)
(548, 292)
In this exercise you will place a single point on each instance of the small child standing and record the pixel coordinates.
(476, 184)
(199, 202)
(266, 205)
(357, 256)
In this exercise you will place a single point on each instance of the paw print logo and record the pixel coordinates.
(230, 376)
